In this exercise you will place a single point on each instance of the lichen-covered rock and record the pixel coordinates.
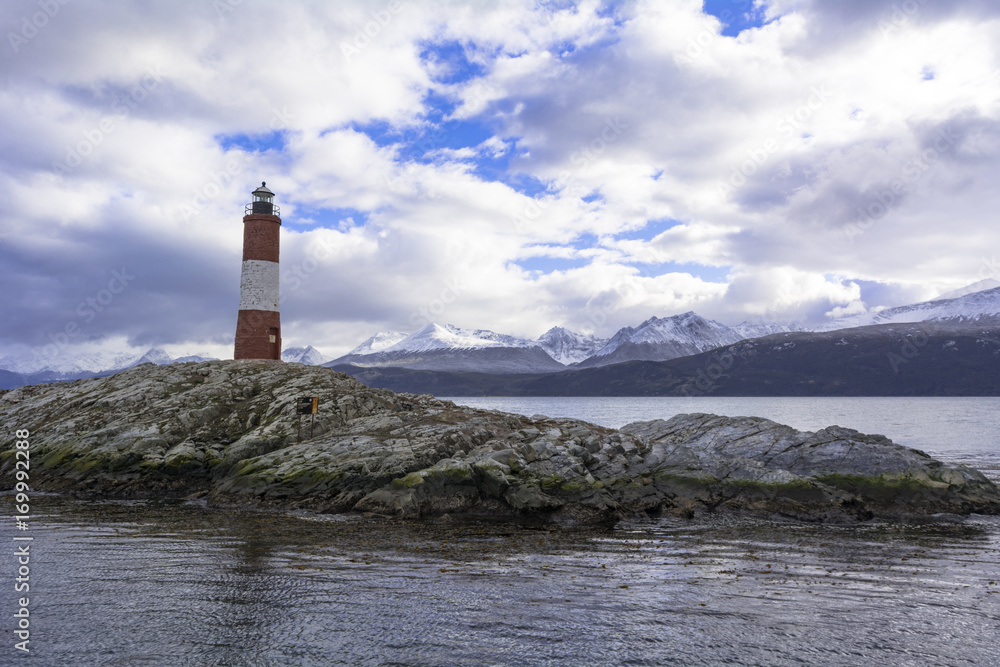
(750, 460)
(228, 430)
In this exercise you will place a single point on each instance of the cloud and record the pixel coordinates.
(838, 156)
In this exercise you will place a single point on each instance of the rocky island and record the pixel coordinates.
(227, 431)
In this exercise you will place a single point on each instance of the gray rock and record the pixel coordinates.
(811, 475)
(227, 430)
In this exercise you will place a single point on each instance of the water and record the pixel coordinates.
(178, 583)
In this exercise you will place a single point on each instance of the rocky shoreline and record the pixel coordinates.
(226, 431)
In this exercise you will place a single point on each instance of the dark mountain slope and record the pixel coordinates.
(922, 359)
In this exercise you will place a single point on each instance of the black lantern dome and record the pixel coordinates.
(263, 202)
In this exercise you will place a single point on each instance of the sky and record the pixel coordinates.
(505, 165)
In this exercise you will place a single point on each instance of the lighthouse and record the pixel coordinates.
(258, 325)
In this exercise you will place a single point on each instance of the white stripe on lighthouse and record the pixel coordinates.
(259, 285)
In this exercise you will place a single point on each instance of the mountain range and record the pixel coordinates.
(449, 349)
(33, 367)
(309, 356)
(947, 346)
(948, 358)
(967, 304)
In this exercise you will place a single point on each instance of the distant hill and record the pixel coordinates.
(468, 358)
(568, 347)
(982, 306)
(923, 359)
(449, 348)
(309, 356)
(660, 339)
(36, 368)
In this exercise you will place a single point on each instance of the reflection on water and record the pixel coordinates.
(134, 583)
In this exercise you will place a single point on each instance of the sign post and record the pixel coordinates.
(307, 405)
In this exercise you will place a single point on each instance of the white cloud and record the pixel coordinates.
(774, 152)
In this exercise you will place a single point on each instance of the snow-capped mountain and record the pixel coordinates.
(37, 361)
(758, 329)
(196, 358)
(687, 328)
(309, 356)
(448, 337)
(659, 339)
(982, 306)
(449, 348)
(33, 366)
(153, 356)
(379, 342)
(568, 347)
(982, 285)
(446, 347)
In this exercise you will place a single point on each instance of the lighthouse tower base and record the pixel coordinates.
(258, 335)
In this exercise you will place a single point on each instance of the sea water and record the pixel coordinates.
(179, 583)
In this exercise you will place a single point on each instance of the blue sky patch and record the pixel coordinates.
(610, 11)
(415, 143)
(711, 274)
(448, 62)
(330, 218)
(584, 242)
(549, 264)
(735, 15)
(524, 183)
(254, 143)
(649, 231)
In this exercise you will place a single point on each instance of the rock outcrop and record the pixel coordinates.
(228, 430)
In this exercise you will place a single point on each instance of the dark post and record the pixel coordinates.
(307, 405)
(312, 420)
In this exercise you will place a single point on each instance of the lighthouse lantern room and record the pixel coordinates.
(263, 202)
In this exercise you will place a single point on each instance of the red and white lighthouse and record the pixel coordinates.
(258, 325)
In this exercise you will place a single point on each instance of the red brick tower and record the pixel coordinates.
(258, 326)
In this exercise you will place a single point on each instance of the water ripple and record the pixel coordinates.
(179, 584)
